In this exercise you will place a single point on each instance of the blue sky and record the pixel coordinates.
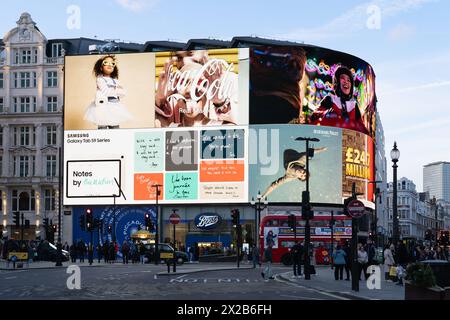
(408, 47)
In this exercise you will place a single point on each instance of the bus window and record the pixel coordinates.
(287, 244)
(347, 223)
(284, 223)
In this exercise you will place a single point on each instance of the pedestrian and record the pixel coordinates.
(73, 253)
(388, 260)
(371, 253)
(141, 252)
(125, 251)
(90, 249)
(339, 260)
(99, 252)
(191, 253)
(255, 256)
(112, 253)
(81, 250)
(66, 246)
(267, 273)
(196, 252)
(363, 259)
(106, 252)
(440, 255)
(297, 252)
(348, 260)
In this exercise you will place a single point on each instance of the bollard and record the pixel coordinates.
(168, 265)
(174, 264)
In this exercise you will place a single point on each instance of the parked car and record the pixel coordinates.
(47, 251)
(181, 257)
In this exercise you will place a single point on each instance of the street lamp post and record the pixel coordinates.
(157, 186)
(59, 244)
(395, 155)
(258, 208)
(307, 214)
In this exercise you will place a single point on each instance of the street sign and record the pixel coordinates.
(356, 208)
(174, 218)
(17, 255)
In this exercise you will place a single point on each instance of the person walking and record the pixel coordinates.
(106, 252)
(297, 253)
(348, 260)
(363, 259)
(255, 256)
(99, 252)
(66, 246)
(112, 252)
(339, 260)
(388, 260)
(90, 249)
(371, 253)
(268, 273)
(81, 250)
(125, 251)
(141, 252)
(73, 253)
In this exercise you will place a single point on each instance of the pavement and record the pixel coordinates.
(324, 281)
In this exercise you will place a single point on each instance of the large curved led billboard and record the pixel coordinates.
(311, 85)
(215, 126)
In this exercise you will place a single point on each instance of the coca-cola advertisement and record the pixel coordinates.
(201, 88)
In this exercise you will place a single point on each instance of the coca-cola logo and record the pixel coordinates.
(210, 80)
(207, 221)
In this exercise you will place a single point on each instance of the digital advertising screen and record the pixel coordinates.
(311, 85)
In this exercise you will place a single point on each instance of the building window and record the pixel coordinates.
(52, 79)
(24, 80)
(1, 80)
(57, 49)
(24, 104)
(24, 136)
(23, 201)
(33, 165)
(49, 199)
(25, 56)
(23, 166)
(51, 166)
(51, 135)
(2, 105)
(52, 104)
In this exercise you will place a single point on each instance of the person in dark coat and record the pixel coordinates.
(73, 253)
(106, 252)
(90, 250)
(197, 252)
(81, 250)
(348, 260)
(112, 253)
(99, 252)
(125, 251)
(297, 254)
(371, 253)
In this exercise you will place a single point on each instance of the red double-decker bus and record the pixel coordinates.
(320, 235)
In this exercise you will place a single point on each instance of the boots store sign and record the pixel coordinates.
(207, 221)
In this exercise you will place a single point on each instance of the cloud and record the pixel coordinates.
(401, 32)
(136, 5)
(421, 126)
(354, 20)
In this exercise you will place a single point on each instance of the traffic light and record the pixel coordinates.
(147, 221)
(109, 228)
(151, 226)
(16, 218)
(291, 221)
(89, 219)
(307, 212)
(82, 222)
(235, 216)
(54, 228)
